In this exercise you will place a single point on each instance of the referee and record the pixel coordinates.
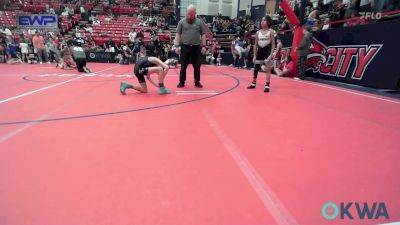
(189, 45)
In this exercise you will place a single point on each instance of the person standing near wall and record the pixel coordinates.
(38, 44)
(248, 11)
(303, 49)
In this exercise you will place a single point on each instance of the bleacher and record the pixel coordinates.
(8, 19)
(55, 4)
(67, 24)
(122, 7)
(119, 30)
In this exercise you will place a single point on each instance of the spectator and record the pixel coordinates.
(88, 28)
(209, 59)
(65, 12)
(31, 56)
(303, 49)
(235, 55)
(12, 51)
(52, 51)
(92, 18)
(354, 21)
(246, 54)
(24, 50)
(313, 18)
(248, 11)
(109, 45)
(126, 55)
(286, 69)
(5, 31)
(38, 44)
(277, 52)
(132, 36)
(219, 59)
(52, 11)
(326, 24)
(366, 5)
(140, 35)
(96, 22)
(239, 49)
(32, 32)
(215, 49)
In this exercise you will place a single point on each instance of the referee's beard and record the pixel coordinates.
(190, 18)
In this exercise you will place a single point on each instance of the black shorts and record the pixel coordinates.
(80, 63)
(140, 72)
(263, 53)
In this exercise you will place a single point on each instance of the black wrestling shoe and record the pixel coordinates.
(251, 86)
(198, 84)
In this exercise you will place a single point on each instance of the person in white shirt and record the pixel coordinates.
(88, 29)
(65, 13)
(31, 31)
(248, 11)
(326, 25)
(132, 36)
(96, 23)
(5, 31)
(71, 11)
(24, 50)
(110, 49)
(92, 18)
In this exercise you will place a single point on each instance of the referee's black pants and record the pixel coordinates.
(190, 53)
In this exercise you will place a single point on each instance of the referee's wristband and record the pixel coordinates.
(203, 46)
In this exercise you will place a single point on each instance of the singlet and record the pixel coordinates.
(144, 63)
(264, 39)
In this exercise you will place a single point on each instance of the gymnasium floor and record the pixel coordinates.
(74, 151)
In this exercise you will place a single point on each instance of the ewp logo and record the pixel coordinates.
(37, 21)
(364, 211)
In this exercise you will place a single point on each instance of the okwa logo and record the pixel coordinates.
(355, 210)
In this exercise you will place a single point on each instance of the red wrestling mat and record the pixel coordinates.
(73, 150)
